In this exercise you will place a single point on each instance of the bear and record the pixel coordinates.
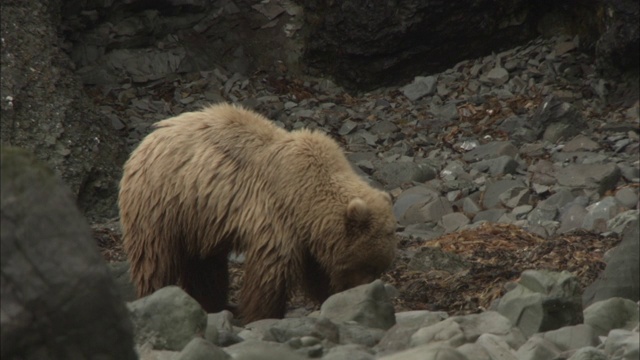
(226, 179)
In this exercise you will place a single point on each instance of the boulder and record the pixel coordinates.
(58, 298)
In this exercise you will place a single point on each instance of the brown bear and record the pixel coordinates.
(223, 179)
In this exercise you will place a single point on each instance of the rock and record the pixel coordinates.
(286, 329)
(421, 86)
(120, 273)
(398, 337)
(595, 177)
(491, 150)
(491, 215)
(368, 305)
(498, 166)
(167, 319)
(628, 197)
(557, 119)
(620, 278)
(495, 189)
(56, 119)
(394, 174)
(495, 347)
(615, 48)
(366, 48)
(349, 352)
(533, 305)
(458, 330)
(588, 353)
(572, 218)
(620, 222)
(358, 334)
(580, 143)
(454, 221)
(622, 344)
(517, 196)
(599, 213)
(263, 350)
(201, 349)
(572, 337)
(427, 352)
(537, 348)
(498, 76)
(58, 298)
(613, 313)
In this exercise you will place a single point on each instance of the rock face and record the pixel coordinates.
(58, 298)
(44, 109)
(366, 44)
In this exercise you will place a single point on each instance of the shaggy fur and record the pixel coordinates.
(226, 179)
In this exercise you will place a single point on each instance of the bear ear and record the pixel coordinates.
(358, 211)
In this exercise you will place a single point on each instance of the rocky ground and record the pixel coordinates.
(525, 159)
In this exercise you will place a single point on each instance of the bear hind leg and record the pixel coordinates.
(207, 281)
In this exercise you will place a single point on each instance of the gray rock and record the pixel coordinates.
(628, 197)
(422, 231)
(470, 207)
(421, 86)
(263, 350)
(599, 213)
(167, 319)
(58, 299)
(491, 215)
(597, 177)
(426, 210)
(260, 330)
(517, 196)
(286, 329)
(613, 313)
(495, 189)
(383, 128)
(498, 76)
(537, 348)
(454, 221)
(474, 351)
(120, 273)
(394, 174)
(368, 305)
(558, 119)
(622, 344)
(581, 143)
(398, 337)
(501, 165)
(496, 347)
(572, 218)
(347, 127)
(491, 150)
(458, 330)
(353, 333)
(622, 220)
(349, 352)
(588, 353)
(427, 352)
(573, 337)
(621, 277)
(543, 301)
(201, 349)
(447, 112)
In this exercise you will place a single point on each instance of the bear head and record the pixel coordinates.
(370, 244)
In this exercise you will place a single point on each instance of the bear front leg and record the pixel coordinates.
(207, 281)
(264, 290)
